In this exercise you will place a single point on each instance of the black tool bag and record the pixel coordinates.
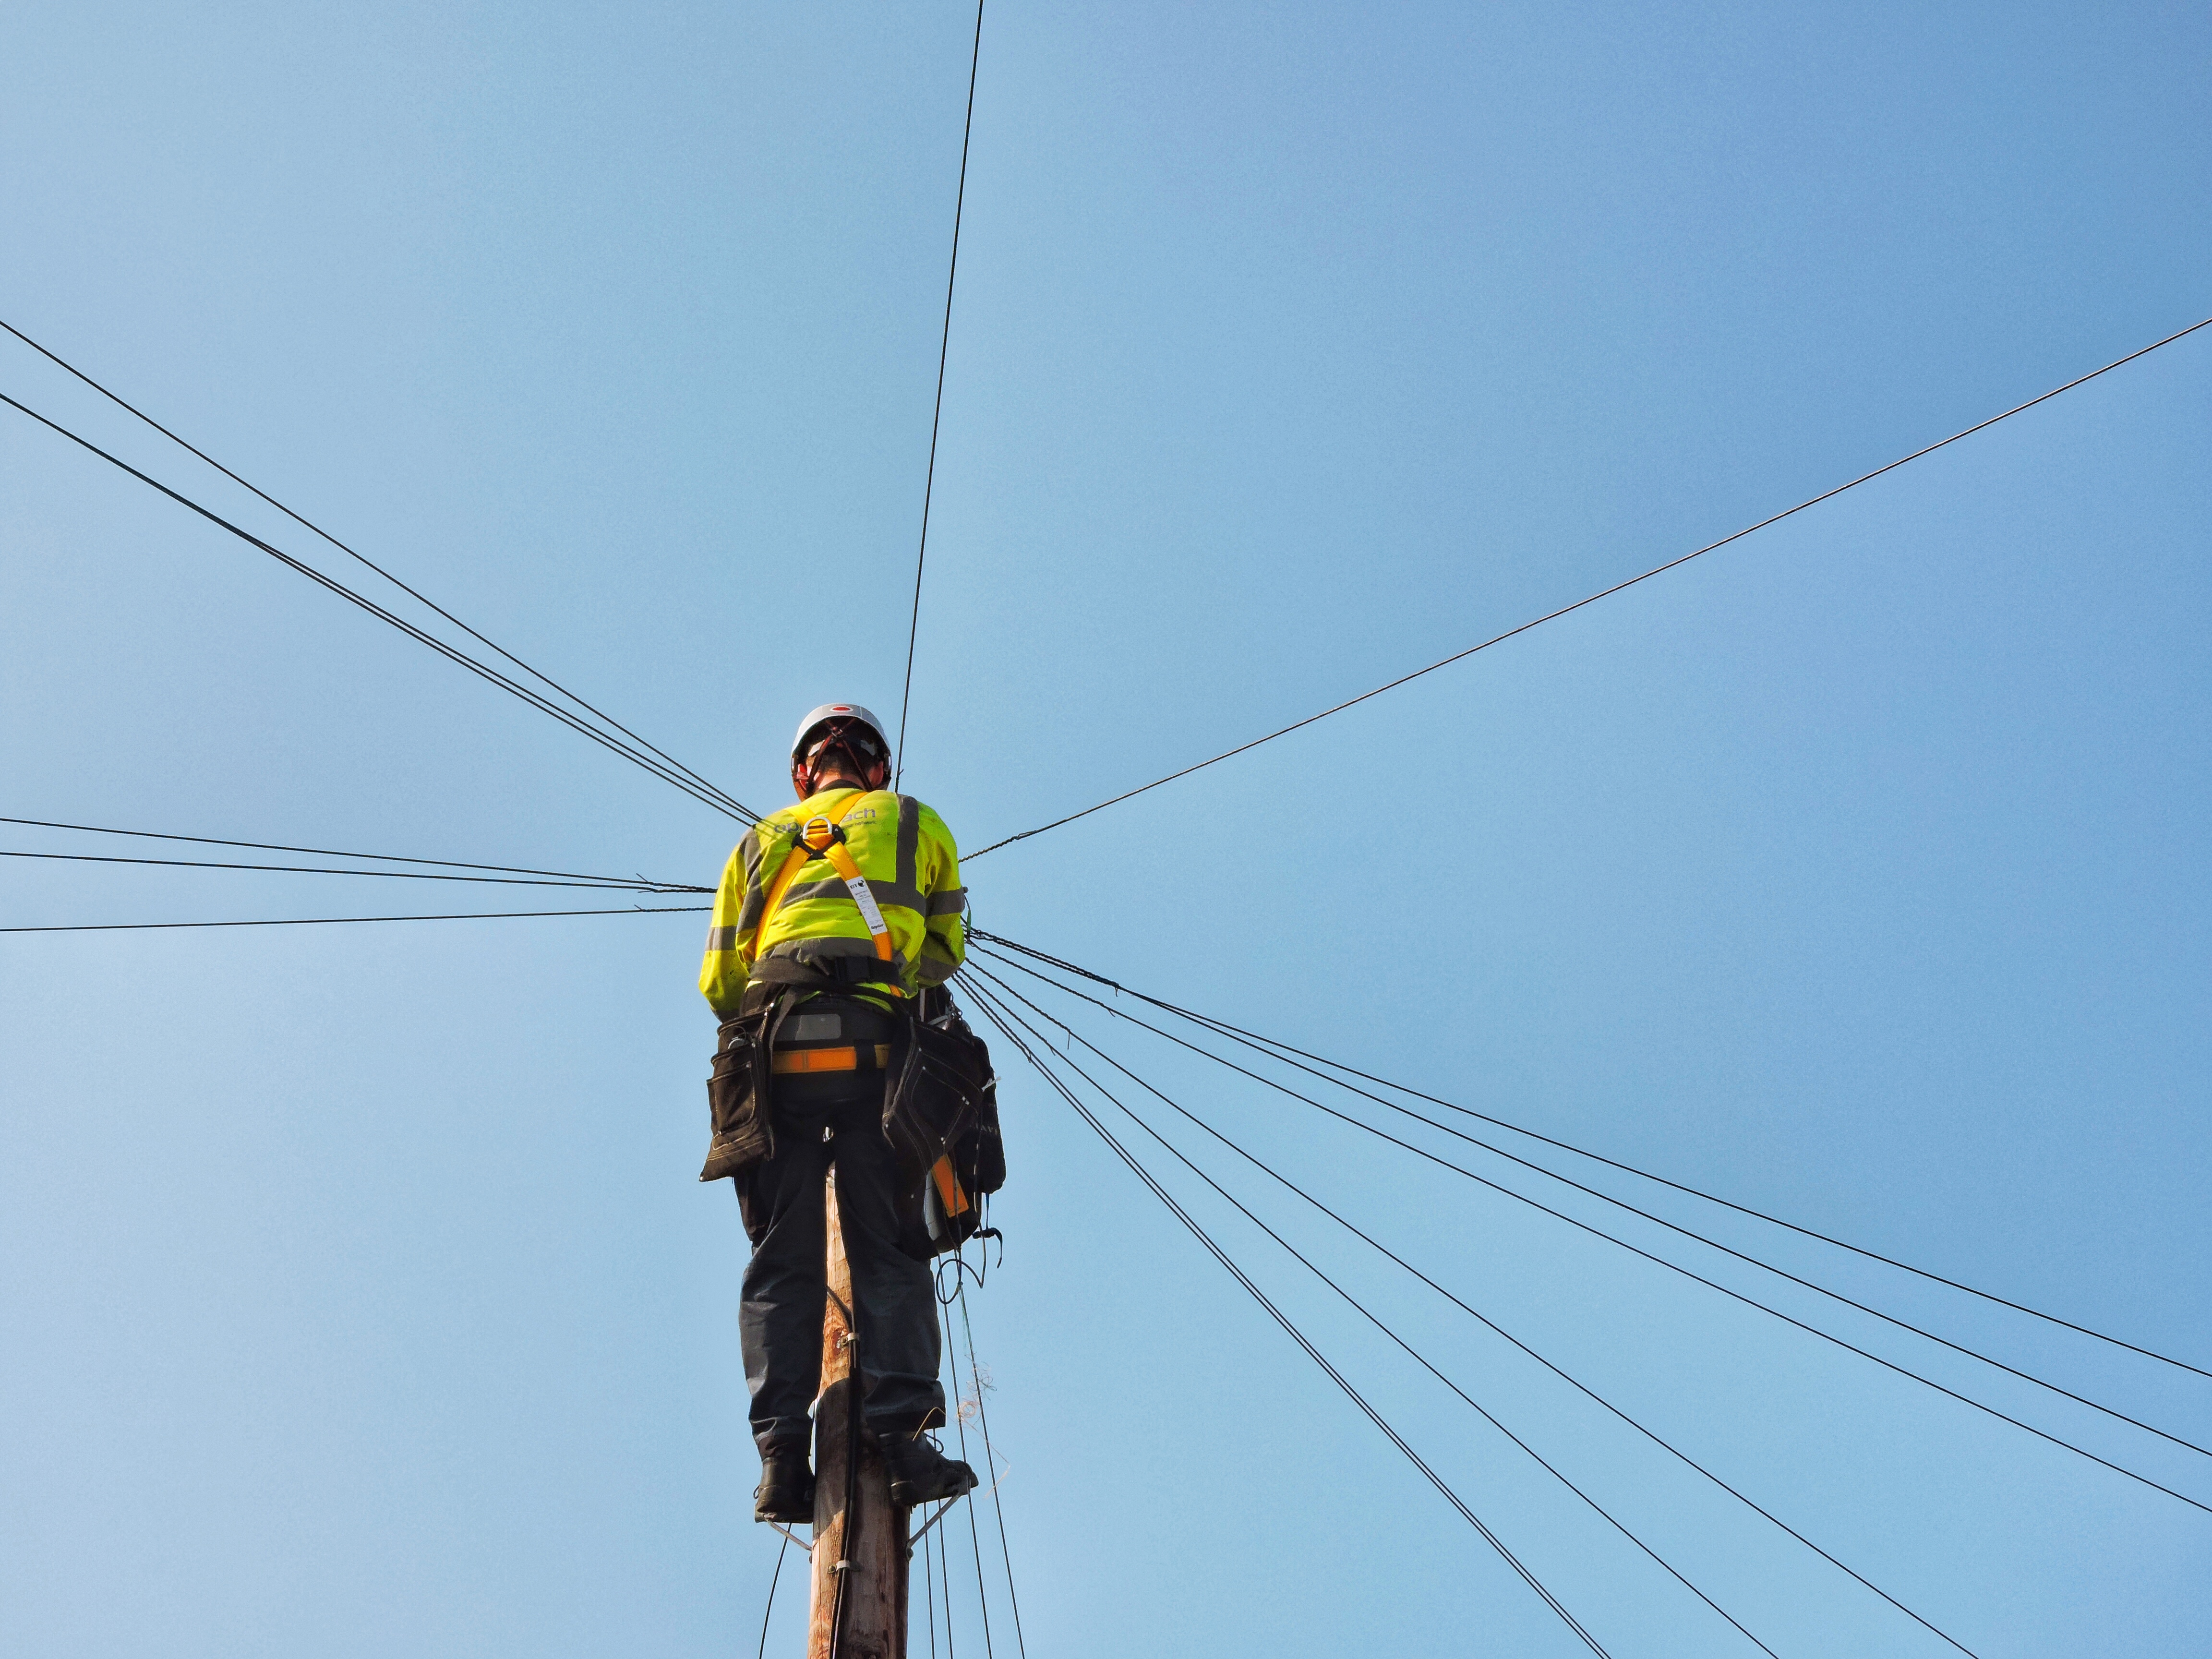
(941, 1109)
(737, 1094)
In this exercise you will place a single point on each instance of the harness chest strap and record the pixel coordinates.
(832, 848)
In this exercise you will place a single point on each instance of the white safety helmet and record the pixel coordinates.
(842, 719)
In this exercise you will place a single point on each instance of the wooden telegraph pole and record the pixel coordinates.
(872, 1622)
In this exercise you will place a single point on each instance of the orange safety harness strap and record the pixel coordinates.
(820, 836)
(857, 885)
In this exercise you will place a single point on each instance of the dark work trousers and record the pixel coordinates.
(895, 1297)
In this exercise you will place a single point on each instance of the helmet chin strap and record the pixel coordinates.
(808, 778)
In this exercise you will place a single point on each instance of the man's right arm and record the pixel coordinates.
(723, 971)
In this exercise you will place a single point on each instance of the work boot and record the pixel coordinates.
(919, 1473)
(786, 1491)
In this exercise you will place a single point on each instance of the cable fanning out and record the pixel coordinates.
(330, 921)
(706, 794)
(1418, 1357)
(614, 885)
(378, 858)
(1659, 1260)
(937, 410)
(768, 1611)
(420, 598)
(1646, 1215)
(1483, 1319)
(1267, 1045)
(1297, 1336)
(990, 1455)
(1606, 593)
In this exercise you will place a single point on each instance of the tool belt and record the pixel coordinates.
(940, 1111)
(941, 1118)
(741, 1133)
(823, 1048)
(781, 1032)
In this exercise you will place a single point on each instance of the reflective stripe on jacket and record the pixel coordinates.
(910, 863)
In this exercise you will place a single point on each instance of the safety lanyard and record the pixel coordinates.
(824, 838)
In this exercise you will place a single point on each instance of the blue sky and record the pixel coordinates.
(359, 1296)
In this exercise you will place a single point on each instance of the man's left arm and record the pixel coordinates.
(945, 935)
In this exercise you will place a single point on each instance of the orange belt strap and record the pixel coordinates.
(786, 1062)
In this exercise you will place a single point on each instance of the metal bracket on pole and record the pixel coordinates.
(932, 1521)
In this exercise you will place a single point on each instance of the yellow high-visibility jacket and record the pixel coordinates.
(910, 863)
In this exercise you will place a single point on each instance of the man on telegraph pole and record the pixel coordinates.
(835, 919)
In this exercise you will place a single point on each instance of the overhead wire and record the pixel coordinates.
(991, 1456)
(420, 598)
(906, 698)
(1632, 1209)
(945, 1578)
(324, 921)
(768, 1611)
(1464, 1307)
(929, 1596)
(960, 1425)
(614, 885)
(714, 796)
(1264, 1043)
(1190, 1224)
(328, 853)
(914, 623)
(1675, 1268)
(937, 412)
(1605, 592)
(1418, 1358)
(707, 794)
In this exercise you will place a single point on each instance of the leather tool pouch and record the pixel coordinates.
(738, 1095)
(942, 1104)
